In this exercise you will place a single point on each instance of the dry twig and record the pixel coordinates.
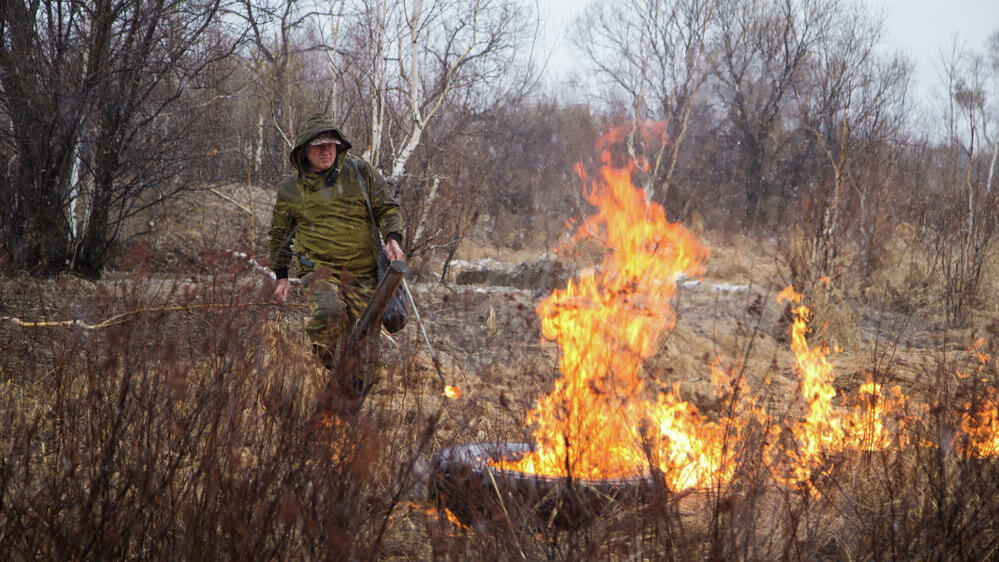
(125, 316)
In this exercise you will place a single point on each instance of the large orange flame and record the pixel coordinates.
(602, 420)
(606, 417)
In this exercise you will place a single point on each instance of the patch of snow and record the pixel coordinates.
(462, 264)
(502, 266)
(485, 263)
(491, 290)
(728, 288)
(713, 287)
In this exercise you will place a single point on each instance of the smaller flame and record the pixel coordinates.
(454, 520)
(434, 512)
(980, 349)
(978, 423)
(452, 392)
(329, 421)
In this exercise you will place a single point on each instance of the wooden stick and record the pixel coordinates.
(125, 316)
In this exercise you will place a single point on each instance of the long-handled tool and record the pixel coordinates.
(452, 392)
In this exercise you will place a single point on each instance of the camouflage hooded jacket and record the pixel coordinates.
(324, 214)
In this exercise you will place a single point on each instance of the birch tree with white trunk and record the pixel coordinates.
(420, 54)
(417, 58)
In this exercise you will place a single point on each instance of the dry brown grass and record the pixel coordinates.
(183, 432)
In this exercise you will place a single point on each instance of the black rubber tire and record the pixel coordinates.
(481, 495)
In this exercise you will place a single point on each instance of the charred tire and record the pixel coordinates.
(462, 481)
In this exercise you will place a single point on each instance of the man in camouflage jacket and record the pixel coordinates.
(321, 213)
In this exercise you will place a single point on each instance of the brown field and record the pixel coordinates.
(175, 423)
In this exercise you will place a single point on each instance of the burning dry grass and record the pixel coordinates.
(183, 431)
(186, 433)
(799, 454)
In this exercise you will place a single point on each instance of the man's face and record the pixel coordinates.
(321, 156)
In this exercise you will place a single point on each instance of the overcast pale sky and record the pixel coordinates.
(920, 28)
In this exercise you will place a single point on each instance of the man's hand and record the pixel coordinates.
(393, 251)
(282, 290)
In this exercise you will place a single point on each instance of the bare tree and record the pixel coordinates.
(849, 100)
(992, 58)
(85, 107)
(653, 52)
(967, 220)
(277, 42)
(762, 46)
(421, 56)
(411, 64)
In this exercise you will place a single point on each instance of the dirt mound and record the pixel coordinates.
(175, 235)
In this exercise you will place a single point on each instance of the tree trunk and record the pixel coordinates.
(92, 252)
(36, 232)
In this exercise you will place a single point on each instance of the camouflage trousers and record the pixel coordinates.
(337, 304)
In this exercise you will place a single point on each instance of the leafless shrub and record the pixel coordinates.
(186, 430)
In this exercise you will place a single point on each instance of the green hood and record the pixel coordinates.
(314, 125)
